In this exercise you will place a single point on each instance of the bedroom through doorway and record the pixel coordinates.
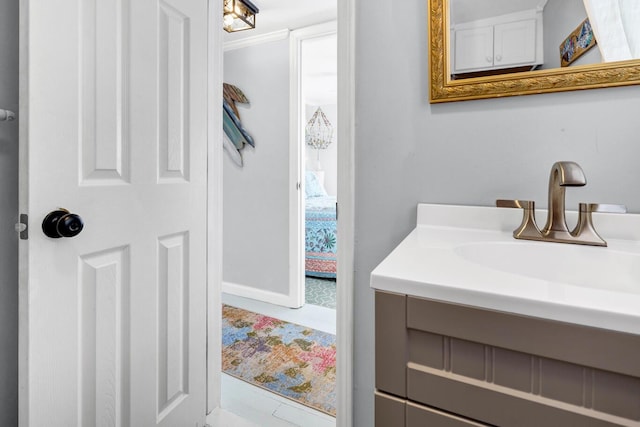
(318, 71)
(268, 285)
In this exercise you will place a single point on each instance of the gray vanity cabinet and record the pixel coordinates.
(447, 365)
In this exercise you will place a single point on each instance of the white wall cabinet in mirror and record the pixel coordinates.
(497, 43)
(496, 48)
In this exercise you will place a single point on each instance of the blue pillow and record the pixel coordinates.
(313, 186)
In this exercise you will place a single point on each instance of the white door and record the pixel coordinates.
(113, 128)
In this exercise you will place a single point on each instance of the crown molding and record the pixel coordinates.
(255, 40)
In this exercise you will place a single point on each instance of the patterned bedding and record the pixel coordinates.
(320, 237)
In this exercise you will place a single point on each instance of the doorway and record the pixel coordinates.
(253, 189)
(260, 181)
(314, 164)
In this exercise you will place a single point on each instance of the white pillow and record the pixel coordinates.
(313, 186)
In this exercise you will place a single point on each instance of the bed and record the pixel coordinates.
(320, 230)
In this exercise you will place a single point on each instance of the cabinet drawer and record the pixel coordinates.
(389, 410)
(499, 406)
(420, 416)
(582, 345)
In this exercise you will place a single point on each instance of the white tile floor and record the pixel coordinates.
(261, 408)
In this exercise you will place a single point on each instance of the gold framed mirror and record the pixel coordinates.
(445, 89)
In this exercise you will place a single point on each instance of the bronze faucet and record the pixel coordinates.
(563, 174)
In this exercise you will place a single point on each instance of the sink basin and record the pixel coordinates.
(467, 255)
(593, 267)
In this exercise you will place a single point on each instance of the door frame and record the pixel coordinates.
(296, 295)
(214, 207)
(346, 204)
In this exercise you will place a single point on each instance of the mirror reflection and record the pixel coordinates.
(489, 37)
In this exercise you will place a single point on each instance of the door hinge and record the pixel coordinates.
(22, 227)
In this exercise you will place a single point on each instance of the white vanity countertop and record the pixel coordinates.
(467, 255)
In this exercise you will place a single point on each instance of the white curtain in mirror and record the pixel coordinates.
(616, 26)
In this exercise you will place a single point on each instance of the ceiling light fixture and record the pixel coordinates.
(318, 132)
(239, 15)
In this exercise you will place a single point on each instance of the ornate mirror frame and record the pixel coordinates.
(443, 89)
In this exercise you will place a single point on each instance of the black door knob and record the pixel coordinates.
(62, 223)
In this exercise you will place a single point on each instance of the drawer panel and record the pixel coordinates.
(499, 406)
(389, 410)
(597, 348)
(421, 416)
(526, 375)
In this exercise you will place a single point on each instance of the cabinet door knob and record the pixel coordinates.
(489, 59)
(498, 57)
(62, 223)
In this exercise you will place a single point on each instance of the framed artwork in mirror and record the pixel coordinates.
(577, 43)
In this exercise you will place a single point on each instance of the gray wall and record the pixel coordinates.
(256, 198)
(408, 151)
(8, 216)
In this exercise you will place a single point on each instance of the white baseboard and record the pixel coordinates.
(258, 294)
(223, 418)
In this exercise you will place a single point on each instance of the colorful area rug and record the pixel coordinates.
(292, 360)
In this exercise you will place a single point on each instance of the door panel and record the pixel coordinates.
(114, 319)
(104, 337)
(174, 94)
(173, 322)
(105, 95)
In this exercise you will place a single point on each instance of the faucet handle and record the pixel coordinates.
(602, 207)
(528, 228)
(523, 204)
